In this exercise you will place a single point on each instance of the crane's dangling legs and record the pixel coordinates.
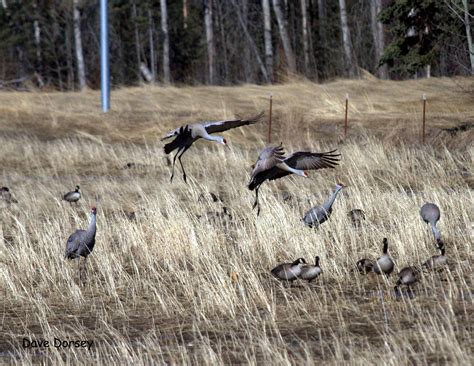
(181, 163)
(174, 161)
(256, 203)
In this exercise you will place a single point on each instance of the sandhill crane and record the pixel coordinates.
(272, 164)
(430, 214)
(320, 214)
(6, 195)
(437, 261)
(384, 263)
(310, 271)
(186, 135)
(288, 271)
(365, 265)
(81, 242)
(73, 196)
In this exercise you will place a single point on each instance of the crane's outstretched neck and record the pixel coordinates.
(436, 232)
(329, 202)
(90, 233)
(219, 139)
(292, 170)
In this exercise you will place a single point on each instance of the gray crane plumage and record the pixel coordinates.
(320, 214)
(81, 242)
(430, 214)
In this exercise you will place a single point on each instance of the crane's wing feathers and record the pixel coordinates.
(303, 160)
(221, 126)
(268, 158)
(74, 241)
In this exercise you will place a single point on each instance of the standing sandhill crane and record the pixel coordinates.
(272, 164)
(288, 271)
(81, 242)
(430, 214)
(384, 263)
(319, 214)
(6, 195)
(73, 196)
(310, 271)
(186, 135)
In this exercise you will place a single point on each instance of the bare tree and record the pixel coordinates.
(304, 25)
(211, 49)
(378, 35)
(166, 42)
(290, 58)
(185, 14)
(252, 44)
(151, 45)
(267, 24)
(349, 60)
(81, 70)
(137, 39)
(467, 25)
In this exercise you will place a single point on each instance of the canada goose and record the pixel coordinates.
(437, 261)
(272, 164)
(310, 271)
(288, 271)
(186, 135)
(6, 195)
(384, 263)
(73, 196)
(430, 214)
(356, 216)
(365, 265)
(320, 214)
(408, 276)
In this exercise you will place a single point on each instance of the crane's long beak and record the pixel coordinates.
(227, 146)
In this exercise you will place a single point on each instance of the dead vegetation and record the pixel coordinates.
(172, 280)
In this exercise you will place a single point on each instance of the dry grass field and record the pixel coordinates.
(173, 280)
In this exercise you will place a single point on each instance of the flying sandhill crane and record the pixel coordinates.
(288, 271)
(81, 242)
(6, 195)
(73, 196)
(186, 135)
(437, 261)
(319, 214)
(430, 214)
(310, 271)
(384, 263)
(272, 164)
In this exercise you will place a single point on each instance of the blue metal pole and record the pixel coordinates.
(104, 57)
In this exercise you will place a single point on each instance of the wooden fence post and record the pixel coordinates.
(424, 119)
(345, 117)
(270, 120)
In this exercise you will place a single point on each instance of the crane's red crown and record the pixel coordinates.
(94, 209)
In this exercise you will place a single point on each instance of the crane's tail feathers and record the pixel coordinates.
(169, 147)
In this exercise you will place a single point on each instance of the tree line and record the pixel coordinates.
(55, 43)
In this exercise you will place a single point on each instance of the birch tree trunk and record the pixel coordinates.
(467, 24)
(81, 70)
(137, 39)
(304, 25)
(349, 61)
(322, 19)
(211, 50)
(378, 35)
(267, 27)
(185, 14)
(246, 52)
(166, 42)
(252, 44)
(290, 58)
(151, 46)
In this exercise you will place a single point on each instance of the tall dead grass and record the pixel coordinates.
(176, 282)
